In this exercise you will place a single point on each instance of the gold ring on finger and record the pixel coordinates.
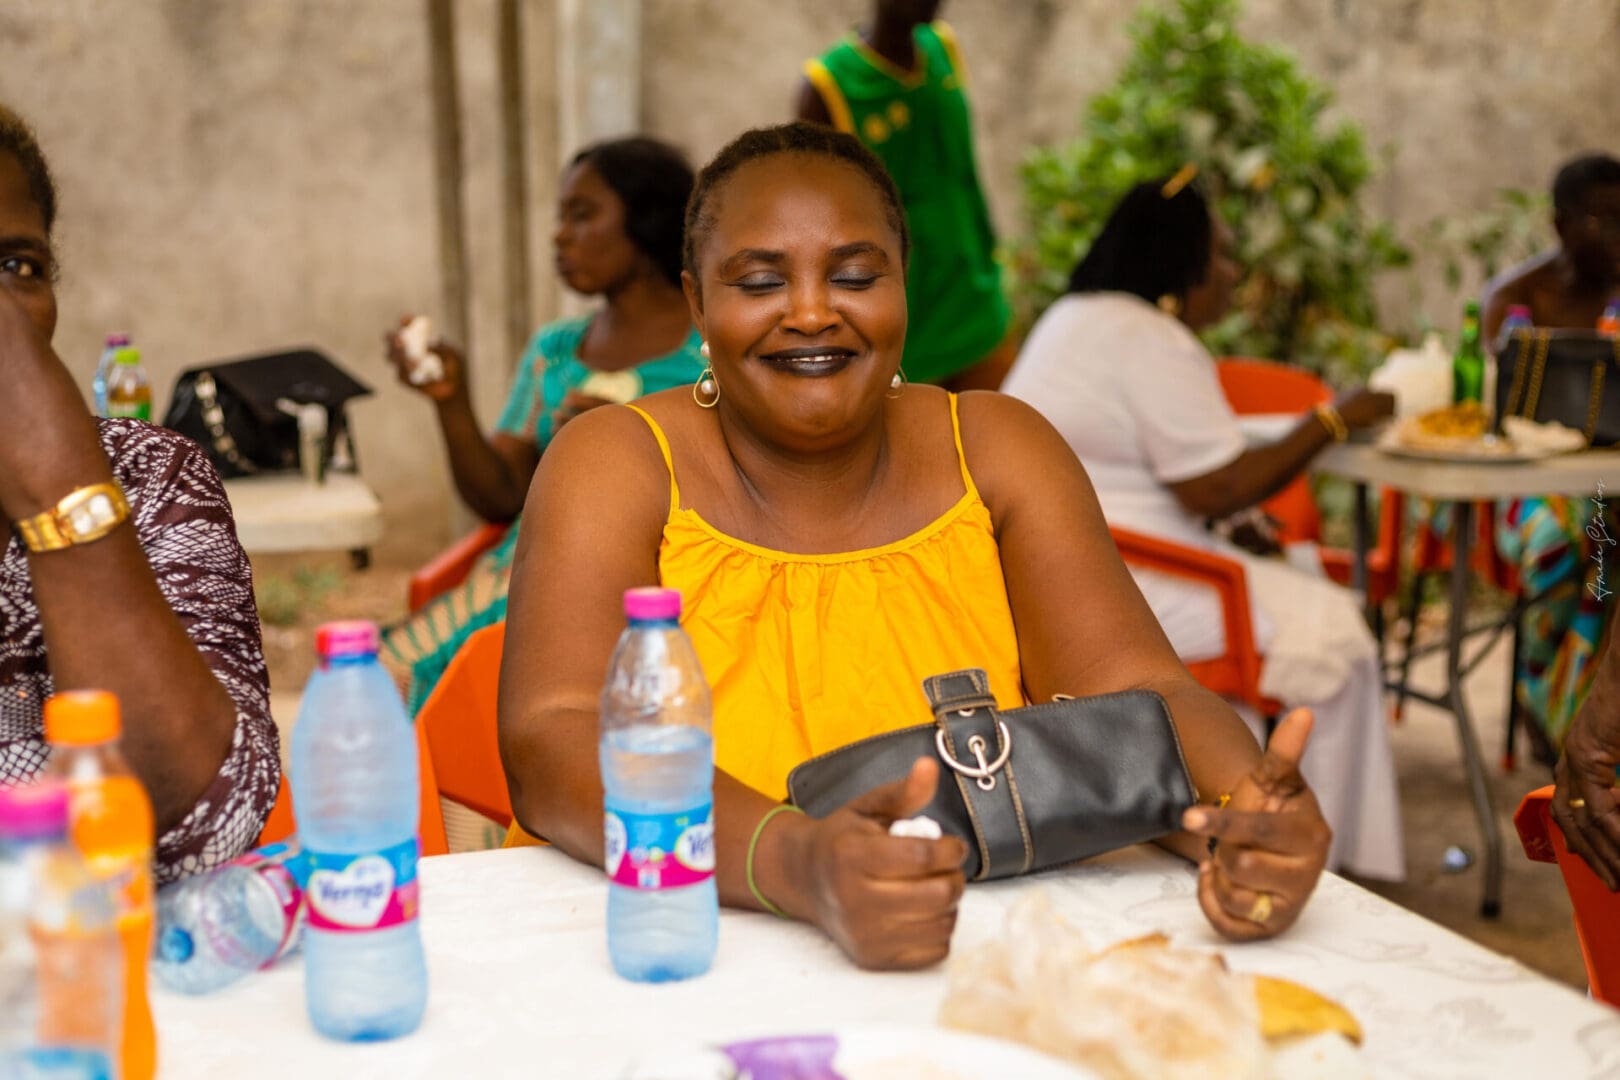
(1577, 804)
(1261, 911)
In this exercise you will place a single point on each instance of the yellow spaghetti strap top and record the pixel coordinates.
(807, 653)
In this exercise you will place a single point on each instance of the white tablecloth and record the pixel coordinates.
(520, 982)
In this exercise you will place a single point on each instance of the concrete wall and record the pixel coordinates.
(242, 174)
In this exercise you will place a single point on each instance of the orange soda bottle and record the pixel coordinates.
(113, 830)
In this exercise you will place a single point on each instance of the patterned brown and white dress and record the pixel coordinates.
(184, 523)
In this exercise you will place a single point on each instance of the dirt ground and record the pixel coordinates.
(1534, 926)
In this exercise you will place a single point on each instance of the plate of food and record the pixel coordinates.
(1462, 432)
(1145, 1009)
(863, 1052)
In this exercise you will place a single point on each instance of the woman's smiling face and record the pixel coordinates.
(801, 297)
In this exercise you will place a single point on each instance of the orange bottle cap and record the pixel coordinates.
(82, 718)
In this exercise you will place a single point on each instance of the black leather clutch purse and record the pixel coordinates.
(1571, 376)
(1027, 789)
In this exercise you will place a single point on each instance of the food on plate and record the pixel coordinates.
(1465, 420)
(1139, 1009)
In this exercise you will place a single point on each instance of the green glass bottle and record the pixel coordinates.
(1468, 365)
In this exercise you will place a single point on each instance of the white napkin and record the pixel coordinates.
(1550, 438)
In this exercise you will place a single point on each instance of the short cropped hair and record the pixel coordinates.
(1580, 176)
(17, 139)
(799, 137)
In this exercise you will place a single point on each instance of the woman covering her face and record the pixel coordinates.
(838, 536)
(154, 604)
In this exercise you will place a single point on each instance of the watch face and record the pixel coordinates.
(94, 513)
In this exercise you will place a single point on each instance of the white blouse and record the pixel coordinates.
(1135, 395)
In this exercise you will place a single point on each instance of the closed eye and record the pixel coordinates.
(856, 281)
(758, 283)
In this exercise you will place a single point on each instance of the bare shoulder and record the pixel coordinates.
(1012, 450)
(609, 456)
(1518, 282)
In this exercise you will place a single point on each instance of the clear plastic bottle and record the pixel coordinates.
(61, 963)
(657, 758)
(129, 394)
(113, 829)
(215, 928)
(104, 367)
(355, 795)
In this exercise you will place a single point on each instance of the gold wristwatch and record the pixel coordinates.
(86, 514)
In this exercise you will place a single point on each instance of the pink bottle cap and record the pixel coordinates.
(652, 604)
(33, 811)
(353, 637)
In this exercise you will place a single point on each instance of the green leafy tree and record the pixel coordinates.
(1285, 180)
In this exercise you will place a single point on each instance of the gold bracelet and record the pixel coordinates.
(749, 865)
(1332, 421)
(84, 515)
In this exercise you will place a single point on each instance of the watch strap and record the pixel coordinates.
(84, 515)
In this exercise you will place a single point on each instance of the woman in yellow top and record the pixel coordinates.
(838, 536)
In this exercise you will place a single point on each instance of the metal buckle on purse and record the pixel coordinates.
(965, 710)
(985, 772)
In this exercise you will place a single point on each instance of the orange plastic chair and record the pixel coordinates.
(451, 566)
(1264, 386)
(430, 826)
(1236, 673)
(1597, 910)
(459, 719)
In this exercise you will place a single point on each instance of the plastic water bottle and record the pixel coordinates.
(657, 755)
(215, 928)
(355, 795)
(61, 962)
(129, 391)
(104, 367)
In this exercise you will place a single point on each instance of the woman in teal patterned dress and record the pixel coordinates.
(619, 219)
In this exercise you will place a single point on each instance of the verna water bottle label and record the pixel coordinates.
(363, 892)
(659, 851)
(282, 866)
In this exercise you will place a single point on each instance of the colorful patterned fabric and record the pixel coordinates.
(184, 523)
(1561, 547)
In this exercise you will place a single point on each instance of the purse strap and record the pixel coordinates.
(214, 418)
(975, 744)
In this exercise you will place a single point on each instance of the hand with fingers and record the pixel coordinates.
(1270, 842)
(888, 901)
(449, 386)
(1584, 800)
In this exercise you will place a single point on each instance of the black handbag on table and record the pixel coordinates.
(1569, 376)
(233, 409)
(1027, 789)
